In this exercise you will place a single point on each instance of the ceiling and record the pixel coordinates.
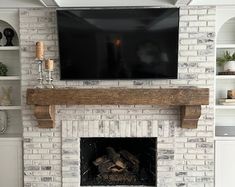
(212, 2)
(89, 3)
(19, 3)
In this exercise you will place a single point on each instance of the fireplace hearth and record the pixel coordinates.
(118, 161)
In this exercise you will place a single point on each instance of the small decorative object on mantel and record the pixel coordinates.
(39, 50)
(9, 34)
(225, 101)
(231, 94)
(39, 60)
(3, 121)
(0, 38)
(49, 67)
(6, 97)
(3, 69)
(227, 61)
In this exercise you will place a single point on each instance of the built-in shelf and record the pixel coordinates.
(9, 78)
(225, 138)
(225, 106)
(225, 46)
(10, 107)
(189, 100)
(10, 137)
(9, 48)
(225, 77)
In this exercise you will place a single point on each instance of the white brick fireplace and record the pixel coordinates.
(184, 156)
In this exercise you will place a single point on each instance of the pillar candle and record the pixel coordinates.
(49, 65)
(39, 50)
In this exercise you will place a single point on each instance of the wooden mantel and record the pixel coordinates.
(189, 100)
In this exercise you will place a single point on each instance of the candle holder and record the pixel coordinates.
(49, 79)
(40, 75)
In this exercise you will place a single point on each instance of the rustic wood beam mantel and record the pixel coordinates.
(189, 99)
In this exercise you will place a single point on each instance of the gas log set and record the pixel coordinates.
(118, 167)
(118, 161)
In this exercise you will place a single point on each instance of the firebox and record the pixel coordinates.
(118, 161)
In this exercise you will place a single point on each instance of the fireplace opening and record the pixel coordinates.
(118, 161)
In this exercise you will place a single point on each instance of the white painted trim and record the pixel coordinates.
(113, 3)
(45, 3)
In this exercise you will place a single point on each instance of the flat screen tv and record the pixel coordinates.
(118, 43)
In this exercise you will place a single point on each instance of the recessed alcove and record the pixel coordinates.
(4, 25)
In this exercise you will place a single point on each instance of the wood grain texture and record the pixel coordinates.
(45, 116)
(190, 116)
(189, 99)
(166, 97)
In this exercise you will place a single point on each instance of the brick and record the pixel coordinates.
(198, 11)
(207, 17)
(189, 18)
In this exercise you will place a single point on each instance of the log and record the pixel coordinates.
(106, 167)
(120, 163)
(115, 157)
(130, 157)
(101, 160)
(112, 154)
(134, 162)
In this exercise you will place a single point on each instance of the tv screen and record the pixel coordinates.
(133, 43)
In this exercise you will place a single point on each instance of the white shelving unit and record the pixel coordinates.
(225, 46)
(11, 141)
(9, 78)
(10, 107)
(10, 56)
(223, 107)
(9, 48)
(225, 77)
(224, 114)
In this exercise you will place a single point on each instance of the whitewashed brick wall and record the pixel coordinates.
(185, 157)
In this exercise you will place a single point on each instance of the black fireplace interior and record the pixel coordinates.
(118, 161)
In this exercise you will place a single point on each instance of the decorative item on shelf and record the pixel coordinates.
(226, 73)
(227, 61)
(231, 94)
(6, 96)
(225, 101)
(3, 69)
(49, 67)
(39, 60)
(3, 122)
(0, 38)
(9, 34)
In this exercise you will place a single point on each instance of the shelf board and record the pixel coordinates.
(225, 107)
(224, 77)
(10, 137)
(9, 78)
(225, 46)
(224, 138)
(9, 48)
(10, 107)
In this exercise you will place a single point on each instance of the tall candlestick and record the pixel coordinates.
(40, 75)
(39, 50)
